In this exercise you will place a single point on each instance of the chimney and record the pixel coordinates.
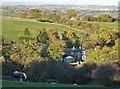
(73, 48)
(80, 47)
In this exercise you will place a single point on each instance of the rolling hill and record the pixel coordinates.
(11, 27)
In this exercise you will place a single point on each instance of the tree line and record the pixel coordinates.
(70, 14)
(41, 71)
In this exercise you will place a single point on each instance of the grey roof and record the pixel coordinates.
(69, 57)
(73, 50)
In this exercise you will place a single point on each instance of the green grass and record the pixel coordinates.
(12, 27)
(105, 24)
(6, 83)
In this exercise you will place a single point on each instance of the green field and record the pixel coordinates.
(12, 27)
(6, 83)
(105, 24)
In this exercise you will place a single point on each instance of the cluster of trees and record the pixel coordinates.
(108, 74)
(44, 70)
(44, 44)
(38, 15)
(50, 17)
(22, 53)
(99, 18)
(71, 14)
(68, 18)
(56, 46)
(101, 45)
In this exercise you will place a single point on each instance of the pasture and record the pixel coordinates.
(12, 27)
(6, 83)
(105, 24)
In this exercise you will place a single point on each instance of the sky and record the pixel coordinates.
(72, 2)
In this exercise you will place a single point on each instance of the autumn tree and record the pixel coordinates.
(25, 52)
(71, 39)
(34, 13)
(106, 36)
(22, 14)
(56, 46)
(55, 18)
(7, 48)
(63, 20)
(50, 16)
(104, 18)
(71, 13)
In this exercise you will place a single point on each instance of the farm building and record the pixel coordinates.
(73, 55)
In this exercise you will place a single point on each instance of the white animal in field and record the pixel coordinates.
(20, 76)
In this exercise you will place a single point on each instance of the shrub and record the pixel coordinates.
(105, 74)
(8, 68)
(40, 71)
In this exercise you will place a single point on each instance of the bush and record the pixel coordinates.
(40, 71)
(113, 84)
(8, 68)
(82, 74)
(105, 74)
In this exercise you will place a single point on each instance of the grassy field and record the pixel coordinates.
(12, 27)
(6, 83)
(106, 24)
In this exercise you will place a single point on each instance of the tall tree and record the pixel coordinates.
(56, 46)
(25, 36)
(26, 32)
(42, 37)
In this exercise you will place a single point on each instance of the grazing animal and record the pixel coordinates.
(19, 76)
